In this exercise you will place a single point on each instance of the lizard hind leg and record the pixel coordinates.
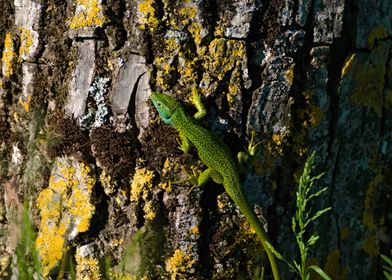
(205, 176)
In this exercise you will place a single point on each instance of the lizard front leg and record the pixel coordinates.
(185, 144)
(196, 100)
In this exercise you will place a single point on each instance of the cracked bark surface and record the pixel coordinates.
(303, 75)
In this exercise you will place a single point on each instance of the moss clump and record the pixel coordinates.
(115, 152)
(64, 137)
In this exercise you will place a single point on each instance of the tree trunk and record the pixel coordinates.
(102, 175)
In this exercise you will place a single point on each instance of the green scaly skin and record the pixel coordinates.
(216, 155)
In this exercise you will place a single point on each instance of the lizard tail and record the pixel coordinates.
(258, 227)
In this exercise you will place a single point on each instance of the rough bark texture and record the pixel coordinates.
(80, 142)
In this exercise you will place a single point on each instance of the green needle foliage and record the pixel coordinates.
(302, 220)
(388, 267)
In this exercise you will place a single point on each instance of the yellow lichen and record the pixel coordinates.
(88, 14)
(109, 185)
(221, 202)
(223, 56)
(166, 186)
(178, 263)
(150, 211)
(333, 268)
(290, 75)
(313, 116)
(207, 65)
(87, 268)
(247, 228)
(26, 43)
(195, 230)
(116, 242)
(371, 247)
(141, 184)
(367, 216)
(65, 210)
(377, 33)
(234, 85)
(25, 104)
(369, 75)
(277, 139)
(148, 14)
(344, 233)
(8, 55)
(275, 146)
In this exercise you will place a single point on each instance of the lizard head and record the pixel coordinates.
(165, 104)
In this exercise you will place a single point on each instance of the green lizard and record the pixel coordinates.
(215, 154)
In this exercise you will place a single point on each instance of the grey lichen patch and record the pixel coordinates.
(328, 21)
(240, 20)
(99, 112)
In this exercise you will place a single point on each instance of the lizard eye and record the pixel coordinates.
(159, 104)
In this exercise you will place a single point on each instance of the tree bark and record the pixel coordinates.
(102, 176)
